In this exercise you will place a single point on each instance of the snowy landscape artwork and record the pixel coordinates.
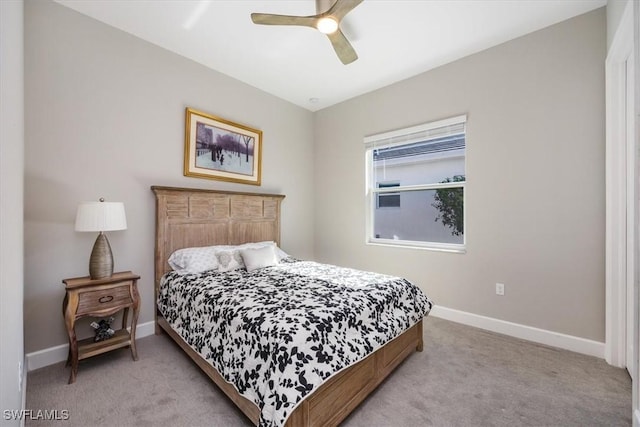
(219, 149)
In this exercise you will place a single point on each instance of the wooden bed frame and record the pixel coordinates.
(193, 217)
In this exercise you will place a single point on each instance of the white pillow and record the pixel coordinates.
(255, 258)
(229, 260)
(279, 252)
(193, 260)
(253, 245)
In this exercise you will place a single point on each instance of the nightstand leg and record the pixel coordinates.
(70, 306)
(74, 372)
(134, 351)
(65, 301)
(134, 322)
(73, 355)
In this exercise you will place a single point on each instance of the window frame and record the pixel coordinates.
(397, 138)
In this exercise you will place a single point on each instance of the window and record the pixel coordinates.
(420, 172)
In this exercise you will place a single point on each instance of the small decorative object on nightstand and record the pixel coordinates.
(100, 298)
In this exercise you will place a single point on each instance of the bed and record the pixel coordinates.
(188, 218)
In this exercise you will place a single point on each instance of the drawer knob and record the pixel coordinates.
(105, 299)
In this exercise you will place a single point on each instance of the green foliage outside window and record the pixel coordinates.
(449, 202)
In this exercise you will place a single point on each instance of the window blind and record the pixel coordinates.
(419, 133)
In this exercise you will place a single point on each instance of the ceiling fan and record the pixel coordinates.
(327, 22)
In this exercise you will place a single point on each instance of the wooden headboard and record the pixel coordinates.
(189, 217)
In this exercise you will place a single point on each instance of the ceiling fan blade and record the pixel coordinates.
(270, 19)
(341, 7)
(343, 48)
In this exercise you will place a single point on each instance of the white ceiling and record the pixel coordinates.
(394, 39)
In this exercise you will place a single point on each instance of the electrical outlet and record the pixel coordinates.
(499, 288)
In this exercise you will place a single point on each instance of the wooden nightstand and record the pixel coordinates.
(100, 298)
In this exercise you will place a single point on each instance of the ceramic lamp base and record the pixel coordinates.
(101, 261)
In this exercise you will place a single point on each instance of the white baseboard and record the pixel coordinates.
(529, 333)
(49, 356)
(636, 418)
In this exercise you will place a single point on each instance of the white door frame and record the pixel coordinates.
(616, 190)
(635, 386)
(621, 176)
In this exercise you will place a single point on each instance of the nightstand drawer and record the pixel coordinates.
(102, 299)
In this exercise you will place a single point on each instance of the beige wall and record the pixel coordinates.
(535, 179)
(11, 200)
(105, 118)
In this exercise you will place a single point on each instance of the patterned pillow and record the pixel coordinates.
(193, 260)
(229, 260)
(255, 258)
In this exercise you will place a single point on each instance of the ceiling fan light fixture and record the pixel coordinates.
(327, 22)
(327, 25)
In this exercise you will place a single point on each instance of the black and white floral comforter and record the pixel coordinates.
(279, 332)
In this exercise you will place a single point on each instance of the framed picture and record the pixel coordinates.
(215, 148)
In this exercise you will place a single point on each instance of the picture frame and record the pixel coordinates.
(219, 149)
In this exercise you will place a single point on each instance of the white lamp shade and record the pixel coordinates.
(100, 216)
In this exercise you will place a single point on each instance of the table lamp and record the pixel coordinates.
(101, 216)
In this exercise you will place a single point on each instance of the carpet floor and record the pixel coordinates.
(464, 377)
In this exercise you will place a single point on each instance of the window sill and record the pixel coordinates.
(443, 247)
